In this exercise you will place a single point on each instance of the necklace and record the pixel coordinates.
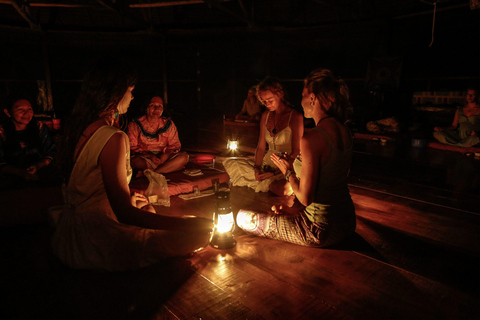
(322, 120)
(276, 124)
(271, 119)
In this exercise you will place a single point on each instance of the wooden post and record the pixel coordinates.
(164, 66)
(48, 79)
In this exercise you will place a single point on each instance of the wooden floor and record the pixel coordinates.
(414, 256)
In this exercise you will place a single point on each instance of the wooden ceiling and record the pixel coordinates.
(161, 16)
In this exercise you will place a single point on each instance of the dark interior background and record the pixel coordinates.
(204, 55)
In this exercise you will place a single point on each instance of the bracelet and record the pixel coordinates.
(257, 167)
(288, 174)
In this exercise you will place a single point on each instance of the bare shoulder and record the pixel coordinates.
(117, 138)
(296, 114)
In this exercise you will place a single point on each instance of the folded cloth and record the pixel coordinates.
(194, 195)
(193, 172)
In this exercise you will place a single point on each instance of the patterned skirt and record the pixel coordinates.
(296, 229)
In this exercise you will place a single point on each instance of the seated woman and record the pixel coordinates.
(319, 178)
(26, 146)
(281, 128)
(251, 110)
(154, 141)
(465, 128)
(102, 225)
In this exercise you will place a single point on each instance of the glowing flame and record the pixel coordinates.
(225, 223)
(232, 144)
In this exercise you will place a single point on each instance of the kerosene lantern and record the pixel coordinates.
(232, 145)
(224, 223)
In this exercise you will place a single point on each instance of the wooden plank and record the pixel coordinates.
(450, 227)
(265, 294)
(438, 243)
(407, 290)
(355, 284)
(199, 298)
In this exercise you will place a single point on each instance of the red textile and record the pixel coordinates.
(165, 141)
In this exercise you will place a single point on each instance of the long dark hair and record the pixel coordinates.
(330, 90)
(102, 90)
(32, 132)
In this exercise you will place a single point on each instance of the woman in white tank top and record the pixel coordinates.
(281, 128)
(326, 214)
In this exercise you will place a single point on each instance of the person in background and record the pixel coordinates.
(27, 149)
(465, 128)
(102, 225)
(326, 214)
(154, 141)
(251, 110)
(281, 128)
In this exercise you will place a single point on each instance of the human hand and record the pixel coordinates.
(138, 200)
(283, 163)
(263, 176)
(438, 129)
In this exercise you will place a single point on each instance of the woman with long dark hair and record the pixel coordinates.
(102, 225)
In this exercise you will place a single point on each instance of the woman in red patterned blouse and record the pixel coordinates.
(154, 141)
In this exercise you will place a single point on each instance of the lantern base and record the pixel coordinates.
(223, 241)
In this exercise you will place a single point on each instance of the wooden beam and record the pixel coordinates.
(169, 3)
(41, 4)
(248, 17)
(20, 9)
(116, 9)
(165, 4)
(216, 4)
(58, 5)
(453, 7)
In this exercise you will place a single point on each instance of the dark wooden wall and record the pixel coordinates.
(208, 72)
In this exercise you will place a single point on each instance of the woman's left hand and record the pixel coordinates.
(283, 163)
(138, 200)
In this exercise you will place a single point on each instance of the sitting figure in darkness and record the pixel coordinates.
(465, 128)
(154, 141)
(251, 110)
(26, 147)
